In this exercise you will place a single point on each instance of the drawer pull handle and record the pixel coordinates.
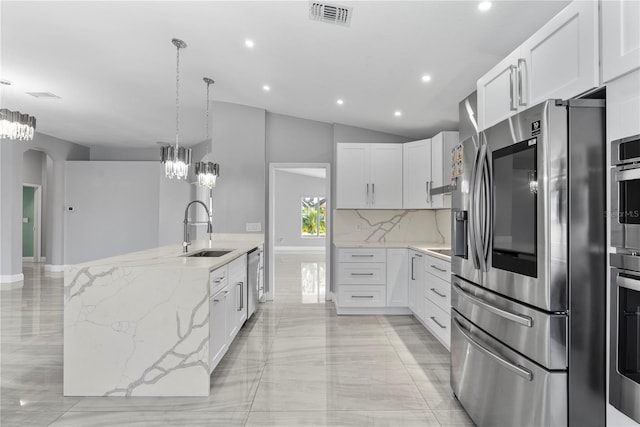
(516, 369)
(518, 318)
(362, 256)
(438, 293)
(218, 280)
(437, 323)
(438, 268)
(361, 296)
(362, 274)
(216, 300)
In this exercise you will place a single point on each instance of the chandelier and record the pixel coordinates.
(207, 172)
(176, 159)
(15, 125)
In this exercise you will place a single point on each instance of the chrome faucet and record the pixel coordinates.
(186, 242)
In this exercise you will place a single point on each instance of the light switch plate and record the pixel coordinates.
(254, 226)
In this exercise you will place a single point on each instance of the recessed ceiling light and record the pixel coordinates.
(484, 6)
(340, 102)
(426, 78)
(266, 88)
(397, 113)
(248, 43)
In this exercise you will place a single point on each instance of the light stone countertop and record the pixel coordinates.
(424, 247)
(171, 256)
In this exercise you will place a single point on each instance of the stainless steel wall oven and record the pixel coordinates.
(625, 193)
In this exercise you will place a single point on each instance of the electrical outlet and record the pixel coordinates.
(253, 226)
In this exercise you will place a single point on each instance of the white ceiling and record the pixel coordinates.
(113, 64)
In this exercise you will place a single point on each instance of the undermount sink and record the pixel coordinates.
(210, 253)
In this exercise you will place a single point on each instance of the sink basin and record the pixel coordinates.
(209, 253)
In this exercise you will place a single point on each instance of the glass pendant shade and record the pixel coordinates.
(176, 161)
(16, 126)
(207, 173)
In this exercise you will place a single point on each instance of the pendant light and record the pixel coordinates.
(176, 159)
(207, 172)
(15, 125)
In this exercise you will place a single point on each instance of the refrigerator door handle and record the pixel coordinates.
(472, 207)
(478, 208)
(488, 210)
(517, 318)
(516, 369)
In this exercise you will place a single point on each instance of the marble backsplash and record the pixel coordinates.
(398, 225)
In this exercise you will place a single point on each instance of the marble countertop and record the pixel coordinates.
(171, 256)
(424, 247)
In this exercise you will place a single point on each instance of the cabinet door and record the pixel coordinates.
(620, 38)
(415, 273)
(238, 278)
(397, 278)
(561, 59)
(441, 146)
(416, 174)
(231, 310)
(496, 92)
(353, 188)
(385, 172)
(217, 329)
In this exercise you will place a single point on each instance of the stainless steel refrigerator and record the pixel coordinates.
(528, 269)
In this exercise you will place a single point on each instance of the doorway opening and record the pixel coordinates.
(299, 232)
(34, 211)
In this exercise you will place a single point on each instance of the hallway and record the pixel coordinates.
(294, 363)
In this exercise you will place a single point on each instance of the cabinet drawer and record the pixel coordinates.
(362, 255)
(238, 268)
(218, 279)
(361, 273)
(438, 322)
(361, 296)
(439, 292)
(438, 268)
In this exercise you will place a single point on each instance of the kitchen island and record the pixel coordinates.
(138, 324)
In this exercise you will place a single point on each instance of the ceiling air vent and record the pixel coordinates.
(44, 95)
(330, 13)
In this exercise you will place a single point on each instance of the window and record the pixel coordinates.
(313, 215)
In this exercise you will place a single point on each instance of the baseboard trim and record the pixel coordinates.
(299, 249)
(27, 258)
(54, 268)
(11, 278)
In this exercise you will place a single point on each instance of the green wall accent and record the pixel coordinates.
(27, 228)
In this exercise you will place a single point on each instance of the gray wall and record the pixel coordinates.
(294, 140)
(238, 134)
(124, 154)
(120, 207)
(11, 179)
(289, 189)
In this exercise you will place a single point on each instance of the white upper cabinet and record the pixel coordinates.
(353, 187)
(441, 160)
(416, 174)
(620, 38)
(497, 92)
(559, 61)
(386, 176)
(369, 176)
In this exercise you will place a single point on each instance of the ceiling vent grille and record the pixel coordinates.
(330, 13)
(44, 95)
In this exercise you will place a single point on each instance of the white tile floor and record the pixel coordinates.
(294, 363)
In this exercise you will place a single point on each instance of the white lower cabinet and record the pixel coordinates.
(217, 328)
(227, 314)
(437, 298)
(397, 286)
(371, 281)
(416, 283)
